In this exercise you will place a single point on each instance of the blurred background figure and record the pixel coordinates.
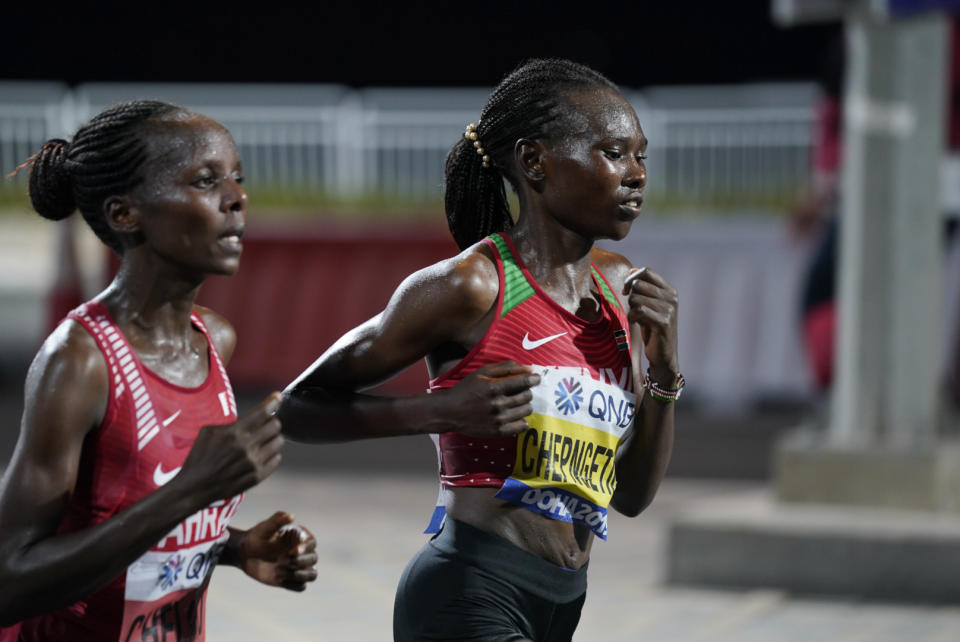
(815, 217)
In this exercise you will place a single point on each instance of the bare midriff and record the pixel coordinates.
(562, 543)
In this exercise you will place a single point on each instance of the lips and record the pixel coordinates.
(631, 206)
(230, 239)
(235, 231)
(633, 199)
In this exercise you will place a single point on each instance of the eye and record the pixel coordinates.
(204, 182)
(238, 178)
(613, 154)
(641, 158)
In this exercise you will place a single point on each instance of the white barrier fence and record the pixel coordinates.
(741, 147)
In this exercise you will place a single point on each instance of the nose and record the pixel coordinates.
(635, 175)
(234, 197)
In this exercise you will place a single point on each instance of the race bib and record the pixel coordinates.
(165, 587)
(565, 462)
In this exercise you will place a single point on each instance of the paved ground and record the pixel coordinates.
(370, 525)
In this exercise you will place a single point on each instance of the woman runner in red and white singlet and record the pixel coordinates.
(131, 459)
(532, 450)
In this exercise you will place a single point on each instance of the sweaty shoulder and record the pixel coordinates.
(221, 332)
(462, 288)
(68, 377)
(614, 267)
(473, 276)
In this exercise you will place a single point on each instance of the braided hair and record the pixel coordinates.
(104, 159)
(530, 102)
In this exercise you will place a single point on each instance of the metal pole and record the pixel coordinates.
(890, 265)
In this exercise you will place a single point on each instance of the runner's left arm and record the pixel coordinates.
(274, 551)
(651, 304)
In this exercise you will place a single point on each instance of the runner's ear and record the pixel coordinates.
(529, 155)
(121, 214)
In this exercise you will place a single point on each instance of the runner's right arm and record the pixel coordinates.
(450, 302)
(66, 398)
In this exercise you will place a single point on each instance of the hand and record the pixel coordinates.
(276, 553)
(492, 401)
(227, 460)
(653, 307)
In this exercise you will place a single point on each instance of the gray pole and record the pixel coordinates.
(888, 356)
(881, 448)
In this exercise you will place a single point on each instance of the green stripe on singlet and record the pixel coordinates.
(515, 285)
(607, 292)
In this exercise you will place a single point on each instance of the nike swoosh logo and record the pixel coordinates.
(160, 478)
(530, 345)
(169, 420)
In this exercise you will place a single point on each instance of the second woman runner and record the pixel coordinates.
(531, 455)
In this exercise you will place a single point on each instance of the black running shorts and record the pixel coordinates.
(466, 584)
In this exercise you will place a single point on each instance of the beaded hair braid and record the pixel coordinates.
(103, 159)
(528, 103)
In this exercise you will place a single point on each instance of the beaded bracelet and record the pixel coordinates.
(663, 394)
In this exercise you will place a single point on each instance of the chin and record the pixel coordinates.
(226, 268)
(619, 233)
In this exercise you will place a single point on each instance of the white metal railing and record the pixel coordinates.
(22, 130)
(743, 155)
(750, 151)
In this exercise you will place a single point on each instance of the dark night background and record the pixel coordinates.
(416, 43)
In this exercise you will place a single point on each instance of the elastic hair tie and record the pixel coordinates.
(471, 134)
(54, 145)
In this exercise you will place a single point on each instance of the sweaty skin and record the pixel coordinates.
(181, 220)
(587, 186)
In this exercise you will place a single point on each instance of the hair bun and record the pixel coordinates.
(51, 187)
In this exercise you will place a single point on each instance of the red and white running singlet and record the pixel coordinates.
(147, 431)
(562, 466)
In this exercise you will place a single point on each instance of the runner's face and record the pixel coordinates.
(595, 174)
(191, 203)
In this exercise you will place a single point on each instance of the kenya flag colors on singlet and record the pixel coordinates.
(148, 429)
(562, 466)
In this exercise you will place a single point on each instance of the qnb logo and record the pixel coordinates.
(170, 571)
(203, 562)
(569, 395)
